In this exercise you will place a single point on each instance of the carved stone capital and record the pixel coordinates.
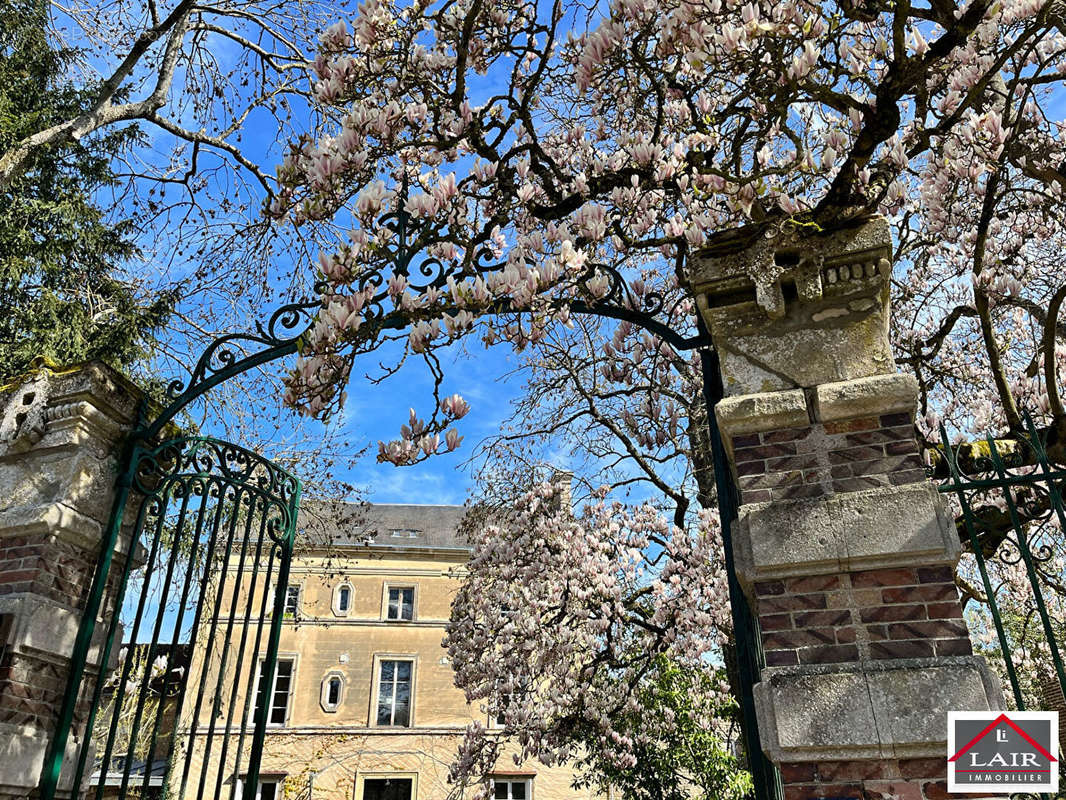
(792, 309)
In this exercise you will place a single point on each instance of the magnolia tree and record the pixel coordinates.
(501, 168)
(548, 158)
(633, 422)
(556, 633)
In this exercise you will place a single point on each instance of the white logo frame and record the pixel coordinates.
(1051, 786)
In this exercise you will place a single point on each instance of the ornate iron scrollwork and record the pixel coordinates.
(200, 459)
(616, 301)
(229, 355)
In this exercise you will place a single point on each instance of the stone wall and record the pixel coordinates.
(843, 546)
(59, 436)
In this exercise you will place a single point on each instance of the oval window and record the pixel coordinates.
(332, 692)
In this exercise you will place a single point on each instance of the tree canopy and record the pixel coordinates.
(554, 155)
(62, 258)
(498, 167)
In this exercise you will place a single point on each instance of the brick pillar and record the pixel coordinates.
(60, 432)
(842, 544)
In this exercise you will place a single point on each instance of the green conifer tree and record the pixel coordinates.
(63, 295)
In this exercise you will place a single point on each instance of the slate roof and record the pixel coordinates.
(398, 525)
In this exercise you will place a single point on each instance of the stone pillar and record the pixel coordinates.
(60, 434)
(842, 544)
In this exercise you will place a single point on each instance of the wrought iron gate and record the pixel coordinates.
(1011, 517)
(199, 562)
(174, 661)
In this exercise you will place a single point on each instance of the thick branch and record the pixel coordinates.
(103, 112)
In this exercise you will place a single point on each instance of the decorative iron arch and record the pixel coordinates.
(282, 334)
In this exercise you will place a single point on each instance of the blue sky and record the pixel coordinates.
(372, 412)
(375, 412)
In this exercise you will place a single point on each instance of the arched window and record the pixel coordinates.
(342, 599)
(332, 691)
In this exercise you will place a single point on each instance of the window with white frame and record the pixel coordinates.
(499, 720)
(394, 692)
(510, 789)
(332, 691)
(267, 789)
(292, 600)
(401, 603)
(279, 694)
(388, 788)
(342, 599)
(506, 692)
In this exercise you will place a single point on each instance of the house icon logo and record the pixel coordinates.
(1015, 749)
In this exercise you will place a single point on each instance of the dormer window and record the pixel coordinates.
(404, 533)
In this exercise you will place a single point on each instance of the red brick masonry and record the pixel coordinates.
(41, 565)
(829, 458)
(874, 615)
(30, 690)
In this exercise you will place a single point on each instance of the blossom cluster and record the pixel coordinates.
(561, 618)
(543, 157)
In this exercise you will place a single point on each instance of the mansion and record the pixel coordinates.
(363, 705)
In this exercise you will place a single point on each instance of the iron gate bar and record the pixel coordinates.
(252, 692)
(244, 640)
(216, 703)
(212, 621)
(766, 778)
(256, 755)
(1044, 482)
(212, 541)
(148, 659)
(204, 489)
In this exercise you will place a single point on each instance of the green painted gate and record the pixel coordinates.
(200, 565)
(1007, 495)
(1011, 517)
(183, 619)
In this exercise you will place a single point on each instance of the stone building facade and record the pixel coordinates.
(364, 705)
